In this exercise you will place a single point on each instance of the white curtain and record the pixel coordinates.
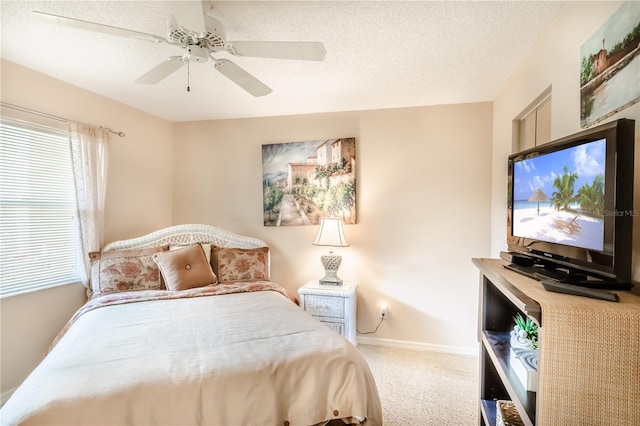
(89, 150)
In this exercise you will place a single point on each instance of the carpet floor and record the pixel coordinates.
(424, 388)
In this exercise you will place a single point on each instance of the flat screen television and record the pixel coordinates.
(570, 205)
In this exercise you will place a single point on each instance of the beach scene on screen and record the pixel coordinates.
(559, 197)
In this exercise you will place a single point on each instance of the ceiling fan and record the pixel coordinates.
(201, 36)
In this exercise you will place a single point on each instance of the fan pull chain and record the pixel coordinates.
(188, 75)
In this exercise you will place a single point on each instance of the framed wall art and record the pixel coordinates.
(302, 182)
(610, 66)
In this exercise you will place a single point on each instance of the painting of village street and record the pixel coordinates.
(302, 182)
(610, 66)
(559, 197)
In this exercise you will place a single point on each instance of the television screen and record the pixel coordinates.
(559, 197)
(570, 204)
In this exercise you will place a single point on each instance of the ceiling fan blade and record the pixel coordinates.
(305, 50)
(162, 70)
(93, 26)
(241, 77)
(189, 15)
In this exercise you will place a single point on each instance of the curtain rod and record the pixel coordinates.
(52, 117)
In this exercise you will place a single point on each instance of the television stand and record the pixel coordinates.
(540, 272)
(588, 351)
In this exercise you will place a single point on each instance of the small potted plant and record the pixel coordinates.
(525, 333)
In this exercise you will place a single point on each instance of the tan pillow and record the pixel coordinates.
(185, 268)
(205, 247)
(124, 270)
(234, 264)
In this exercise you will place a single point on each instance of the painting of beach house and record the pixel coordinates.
(302, 182)
(610, 66)
(559, 197)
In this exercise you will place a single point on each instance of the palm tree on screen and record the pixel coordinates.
(564, 184)
(591, 197)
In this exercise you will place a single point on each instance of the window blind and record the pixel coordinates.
(39, 241)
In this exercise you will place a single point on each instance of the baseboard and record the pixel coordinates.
(4, 396)
(418, 346)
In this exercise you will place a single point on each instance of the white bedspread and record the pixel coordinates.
(236, 359)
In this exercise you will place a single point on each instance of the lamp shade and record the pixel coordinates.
(331, 233)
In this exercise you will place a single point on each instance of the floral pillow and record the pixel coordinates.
(234, 264)
(125, 270)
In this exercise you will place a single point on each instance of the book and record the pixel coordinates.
(524, 362)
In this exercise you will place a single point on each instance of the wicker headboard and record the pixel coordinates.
(190, 234)
(178, 235)
(187, 234)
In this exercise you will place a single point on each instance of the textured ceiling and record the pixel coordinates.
(379, 54)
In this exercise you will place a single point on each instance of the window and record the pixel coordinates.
(39, 243)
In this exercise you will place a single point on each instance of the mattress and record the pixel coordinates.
(229, 354)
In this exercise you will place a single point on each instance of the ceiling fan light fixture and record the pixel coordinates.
(200, 35)
(197, 53)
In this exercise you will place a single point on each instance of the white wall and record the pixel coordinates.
(139, 200)
(423, 185)
(554, 61)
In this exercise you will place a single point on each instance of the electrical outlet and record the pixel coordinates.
(382, 310)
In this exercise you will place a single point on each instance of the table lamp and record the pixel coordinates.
(331, 233)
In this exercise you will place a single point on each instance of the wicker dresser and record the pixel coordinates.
(588, 355)
(335, 306)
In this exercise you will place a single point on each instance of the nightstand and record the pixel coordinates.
(334, 306)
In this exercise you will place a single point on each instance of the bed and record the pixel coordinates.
(149, 348)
